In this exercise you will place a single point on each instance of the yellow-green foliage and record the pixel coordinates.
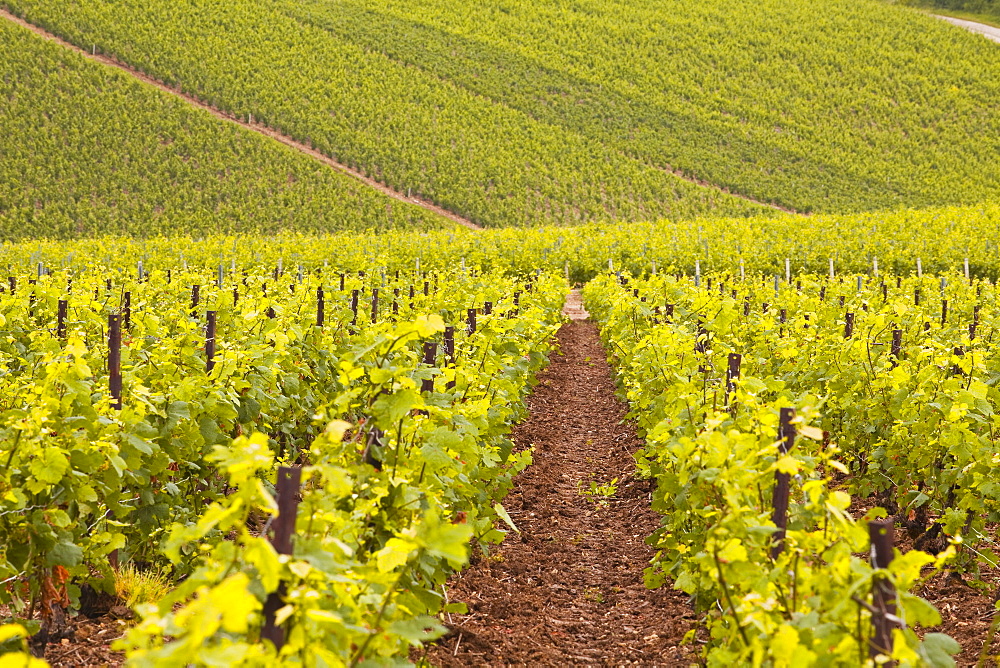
(822, 106)
(385, 514)
(565, 112)
(88, 150)
(139, 587)
(414, 131)
(940, 238)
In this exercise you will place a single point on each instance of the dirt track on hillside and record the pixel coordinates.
(989, 32)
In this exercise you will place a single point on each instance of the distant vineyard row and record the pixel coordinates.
(906, 242)
(833, 107)
(500, 117)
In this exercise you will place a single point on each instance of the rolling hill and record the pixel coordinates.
(520, 113)
(88, 150)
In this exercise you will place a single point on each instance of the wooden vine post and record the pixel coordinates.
(732, 373)
(430, 352)
(956, 369)
(61, 319)
(320, 307)
(114, 381)
(115, 360)
(449, 350)
(210, 341)
(781, 483)
(287, 493)
(701, 339)
(884, 618)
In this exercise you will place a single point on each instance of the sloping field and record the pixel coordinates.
(541, 113)
(410, 130)
(827, 107)
(88, 150)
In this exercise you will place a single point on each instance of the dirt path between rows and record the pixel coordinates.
(569, 589)
(255, 127)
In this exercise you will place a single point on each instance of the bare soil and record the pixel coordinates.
(568, 590)
(91, 644)
(966, 615)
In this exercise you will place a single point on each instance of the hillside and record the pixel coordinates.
(827, 107)
(88, 150)
(411, 130)
(542, 113)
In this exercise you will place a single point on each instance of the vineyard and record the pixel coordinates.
(165, 400)
(889, 380)
(391, 395)
(166, 168)
(340, 333)
(939, 240)
(834, 108)
(415, 134)
(809, 106)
